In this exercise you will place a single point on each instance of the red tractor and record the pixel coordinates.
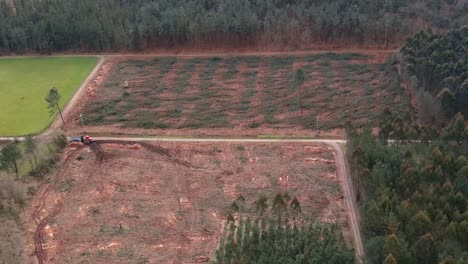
(83, 139)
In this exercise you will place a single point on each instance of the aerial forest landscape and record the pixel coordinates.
(234, 131)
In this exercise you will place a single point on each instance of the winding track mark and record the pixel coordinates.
(40, 203)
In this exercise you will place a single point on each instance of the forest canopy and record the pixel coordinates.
(413, 195)
(89, 25)
(439, 63)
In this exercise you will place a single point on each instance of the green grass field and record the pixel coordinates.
(24, 82)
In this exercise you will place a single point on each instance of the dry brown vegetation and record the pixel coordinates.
(119, 203)
(245, 95)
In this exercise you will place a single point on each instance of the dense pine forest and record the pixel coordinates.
(257, 242)
(437, 66)
(413, 194)
(121, 25)
(277, 231)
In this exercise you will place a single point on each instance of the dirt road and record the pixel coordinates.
(219, 140)
(218, 53)
(340, 161)
(347, 186)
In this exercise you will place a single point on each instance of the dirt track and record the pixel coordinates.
(347, 186)
(218, 53)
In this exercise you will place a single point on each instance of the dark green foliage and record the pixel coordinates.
(258, 242)
(42, 167)
(89, 25)
(412, 193)
(440, 64)
(299, 77)
(261, 205)
(61, 141)
(456, 129)
(273, 238)
(425, 250)
(52, 99)
(9, 158)
(30, 148)
(295, 206)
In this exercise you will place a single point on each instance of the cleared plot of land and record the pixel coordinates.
(24, 82)
(232, 95)
(120, 203)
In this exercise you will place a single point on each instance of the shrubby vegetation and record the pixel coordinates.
(18, 159)
(89, 25)
(31, 157)
(413, 193)
(12, 201)
(438, 65)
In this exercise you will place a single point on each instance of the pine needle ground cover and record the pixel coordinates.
(235, 95)
(24, 82)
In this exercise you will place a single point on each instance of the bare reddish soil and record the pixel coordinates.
(239, 96)
(119, 203)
